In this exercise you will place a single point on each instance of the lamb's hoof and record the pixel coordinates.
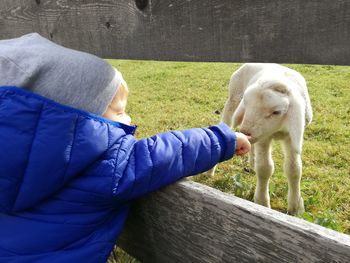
(297, 208)
(207, 174)
(262, 201)
(210, 173)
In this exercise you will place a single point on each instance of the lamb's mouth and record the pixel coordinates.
(252, 140)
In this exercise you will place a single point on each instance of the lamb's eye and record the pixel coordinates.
(276, 112)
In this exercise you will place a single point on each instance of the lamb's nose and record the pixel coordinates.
(245, 132)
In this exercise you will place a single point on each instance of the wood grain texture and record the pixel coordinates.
(292, 31)
(190, 222)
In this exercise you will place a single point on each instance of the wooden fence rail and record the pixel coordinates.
(189, 222)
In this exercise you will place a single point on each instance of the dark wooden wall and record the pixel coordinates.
(293, 31)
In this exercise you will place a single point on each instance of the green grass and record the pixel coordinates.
(177, 95)
(120, 256)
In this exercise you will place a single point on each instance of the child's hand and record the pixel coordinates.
(242, 144)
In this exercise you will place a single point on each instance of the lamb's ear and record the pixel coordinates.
(295, 126)
(279, 87)
(238, 114)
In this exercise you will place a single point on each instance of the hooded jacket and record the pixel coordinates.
(67, 176)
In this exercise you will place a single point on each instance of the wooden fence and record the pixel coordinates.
(293, 31)
(189, 222)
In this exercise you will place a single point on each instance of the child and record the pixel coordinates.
(68, 175)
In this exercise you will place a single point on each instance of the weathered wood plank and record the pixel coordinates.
(189, 222)
(292, 31)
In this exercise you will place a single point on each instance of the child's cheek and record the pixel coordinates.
(125, 118)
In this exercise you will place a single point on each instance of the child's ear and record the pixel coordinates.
(125, 87)
(238, 114)
(120, 98)
(123, 91)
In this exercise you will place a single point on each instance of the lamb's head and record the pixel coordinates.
(263, 110)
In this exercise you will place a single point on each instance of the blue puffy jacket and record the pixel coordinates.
(67, 176)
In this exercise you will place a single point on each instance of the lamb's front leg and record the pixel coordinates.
(264, 168)
(292, 169)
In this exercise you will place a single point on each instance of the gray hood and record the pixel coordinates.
(67, 76)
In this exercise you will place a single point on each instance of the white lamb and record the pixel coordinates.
(270, 101)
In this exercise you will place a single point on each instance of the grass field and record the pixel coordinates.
(177, 95)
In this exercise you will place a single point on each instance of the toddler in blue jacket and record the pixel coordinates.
(67, 174)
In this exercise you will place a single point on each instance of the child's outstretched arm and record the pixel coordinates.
(167, 157)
